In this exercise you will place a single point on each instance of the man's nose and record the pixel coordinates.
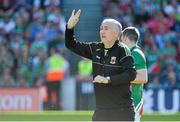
(101, 32)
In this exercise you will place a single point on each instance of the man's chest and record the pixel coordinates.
(110, 57)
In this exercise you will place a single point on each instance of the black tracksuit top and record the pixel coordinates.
(118, 64)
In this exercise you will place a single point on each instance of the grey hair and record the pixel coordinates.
(115, 22)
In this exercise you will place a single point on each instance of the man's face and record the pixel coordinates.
(125, 40)
(108, 32)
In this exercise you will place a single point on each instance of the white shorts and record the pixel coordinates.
(139, 111)
(137, 117)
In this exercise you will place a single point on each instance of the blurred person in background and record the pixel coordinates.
(178, 52)
(113, 69)
(169, 77)
(38, 45)
(155, 84)
(84, 86)
(38, 71)
(169, 52)
(130, 37)
(7, 58)
(153, 58)
(7, 80)
(157, 21)
(55, 71)
(171, 82)
(178, 59)
(7, 23)
(84, 70)
(22, 40)
(22, 82)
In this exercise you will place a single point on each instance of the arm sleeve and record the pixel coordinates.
(80, 48)
(129, 73)
(139, 58)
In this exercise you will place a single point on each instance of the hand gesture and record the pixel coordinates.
(100, 79)
(73, 19)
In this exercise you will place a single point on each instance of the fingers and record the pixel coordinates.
(96, 79)
(73, 20)
(78, 13)
(100, 79)
(73, 12)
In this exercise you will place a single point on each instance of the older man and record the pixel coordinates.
(113, 69)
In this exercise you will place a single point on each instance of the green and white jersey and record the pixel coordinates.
(137, 89)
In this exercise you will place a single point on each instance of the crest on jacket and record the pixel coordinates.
(113, 60)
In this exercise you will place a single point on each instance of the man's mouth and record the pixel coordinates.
(103, 36)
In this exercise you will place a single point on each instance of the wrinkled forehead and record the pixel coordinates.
(112, 24)
(108, 24)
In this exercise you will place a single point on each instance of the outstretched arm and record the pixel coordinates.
(80, 48)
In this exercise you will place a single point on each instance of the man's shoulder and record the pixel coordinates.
(137, 52)
(139, 58)
(123, 46)
(96, 44)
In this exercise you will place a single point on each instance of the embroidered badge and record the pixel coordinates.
(113, 60)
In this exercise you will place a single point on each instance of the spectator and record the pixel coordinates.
(84, 70)
(55, 72)
(178, 52)
(7, 80)
(29, 28)
(171, 82)
(158, 22)
(7, 24)
(23, 43)
(155, 83)
(22, 82)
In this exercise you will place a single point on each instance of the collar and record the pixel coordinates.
(114, 45)
(136, 46)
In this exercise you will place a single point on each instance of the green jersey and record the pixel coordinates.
(137, 89)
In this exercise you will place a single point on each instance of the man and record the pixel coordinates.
(55, 70)
(113, 69)
(130, 37)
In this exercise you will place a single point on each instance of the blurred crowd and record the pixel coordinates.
(159, 24)
(29, 29)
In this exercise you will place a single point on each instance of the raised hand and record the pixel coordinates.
(73, 19)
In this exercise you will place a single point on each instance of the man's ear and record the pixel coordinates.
(120, 37)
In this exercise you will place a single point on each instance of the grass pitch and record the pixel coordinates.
(74, 116)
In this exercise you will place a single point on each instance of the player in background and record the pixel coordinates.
(130, 37)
